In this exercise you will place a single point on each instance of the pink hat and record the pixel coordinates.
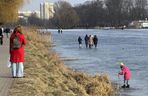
(121, 64)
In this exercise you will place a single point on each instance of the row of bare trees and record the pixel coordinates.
(95, 13)
(99, 13)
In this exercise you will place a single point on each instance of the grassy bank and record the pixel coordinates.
(46, 74)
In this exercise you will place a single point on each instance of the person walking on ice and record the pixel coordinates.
(95, 40)
(86, 40)
(80, 41)
(127, 75)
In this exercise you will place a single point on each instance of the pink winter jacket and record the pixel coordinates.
(126, 72)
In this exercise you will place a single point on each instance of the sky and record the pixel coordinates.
(33, 5)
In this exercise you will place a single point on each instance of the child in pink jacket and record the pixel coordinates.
(127, 74)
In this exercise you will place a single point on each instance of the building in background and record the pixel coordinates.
(26, 14)
(46, 10)
(139, 24)
(45, 13)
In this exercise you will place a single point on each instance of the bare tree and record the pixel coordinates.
(91, 13)
(139, 10)
(9, 10)
(114, 8)
(65, 15)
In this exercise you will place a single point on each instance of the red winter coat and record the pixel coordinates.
(126, 72)
(17, 54)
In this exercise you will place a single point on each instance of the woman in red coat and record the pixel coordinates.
(17, 53)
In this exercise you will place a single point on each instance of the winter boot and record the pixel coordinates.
(128, 86)
(123, 86)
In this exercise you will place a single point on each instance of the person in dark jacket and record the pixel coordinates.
(7, 31)
(95, 40)
(86, 40)
(1, 36)
(80, 41)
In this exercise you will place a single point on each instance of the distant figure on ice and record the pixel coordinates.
(86, 40)
(127, 74)
(80, 41)
(95, 40)
(59, 31)
(90, 41)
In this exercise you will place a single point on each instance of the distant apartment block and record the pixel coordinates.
(46, 10)
(26, 14)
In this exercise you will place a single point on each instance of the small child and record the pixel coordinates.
(127, 74)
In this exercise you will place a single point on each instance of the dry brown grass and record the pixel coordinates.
(46, 74)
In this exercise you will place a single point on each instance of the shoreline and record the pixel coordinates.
(46, 74)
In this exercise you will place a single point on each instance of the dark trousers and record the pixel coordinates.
(1, 40)
(126, 82)
(86, 45)
(95, 45)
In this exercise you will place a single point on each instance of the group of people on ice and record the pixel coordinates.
(90, 41)
(60, 31)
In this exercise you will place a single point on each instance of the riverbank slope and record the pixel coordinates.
(46, 74)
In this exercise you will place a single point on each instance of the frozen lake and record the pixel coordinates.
(129, 46)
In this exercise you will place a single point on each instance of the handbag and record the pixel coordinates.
(8, 63)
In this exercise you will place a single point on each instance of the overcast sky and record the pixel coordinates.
(35, 4)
